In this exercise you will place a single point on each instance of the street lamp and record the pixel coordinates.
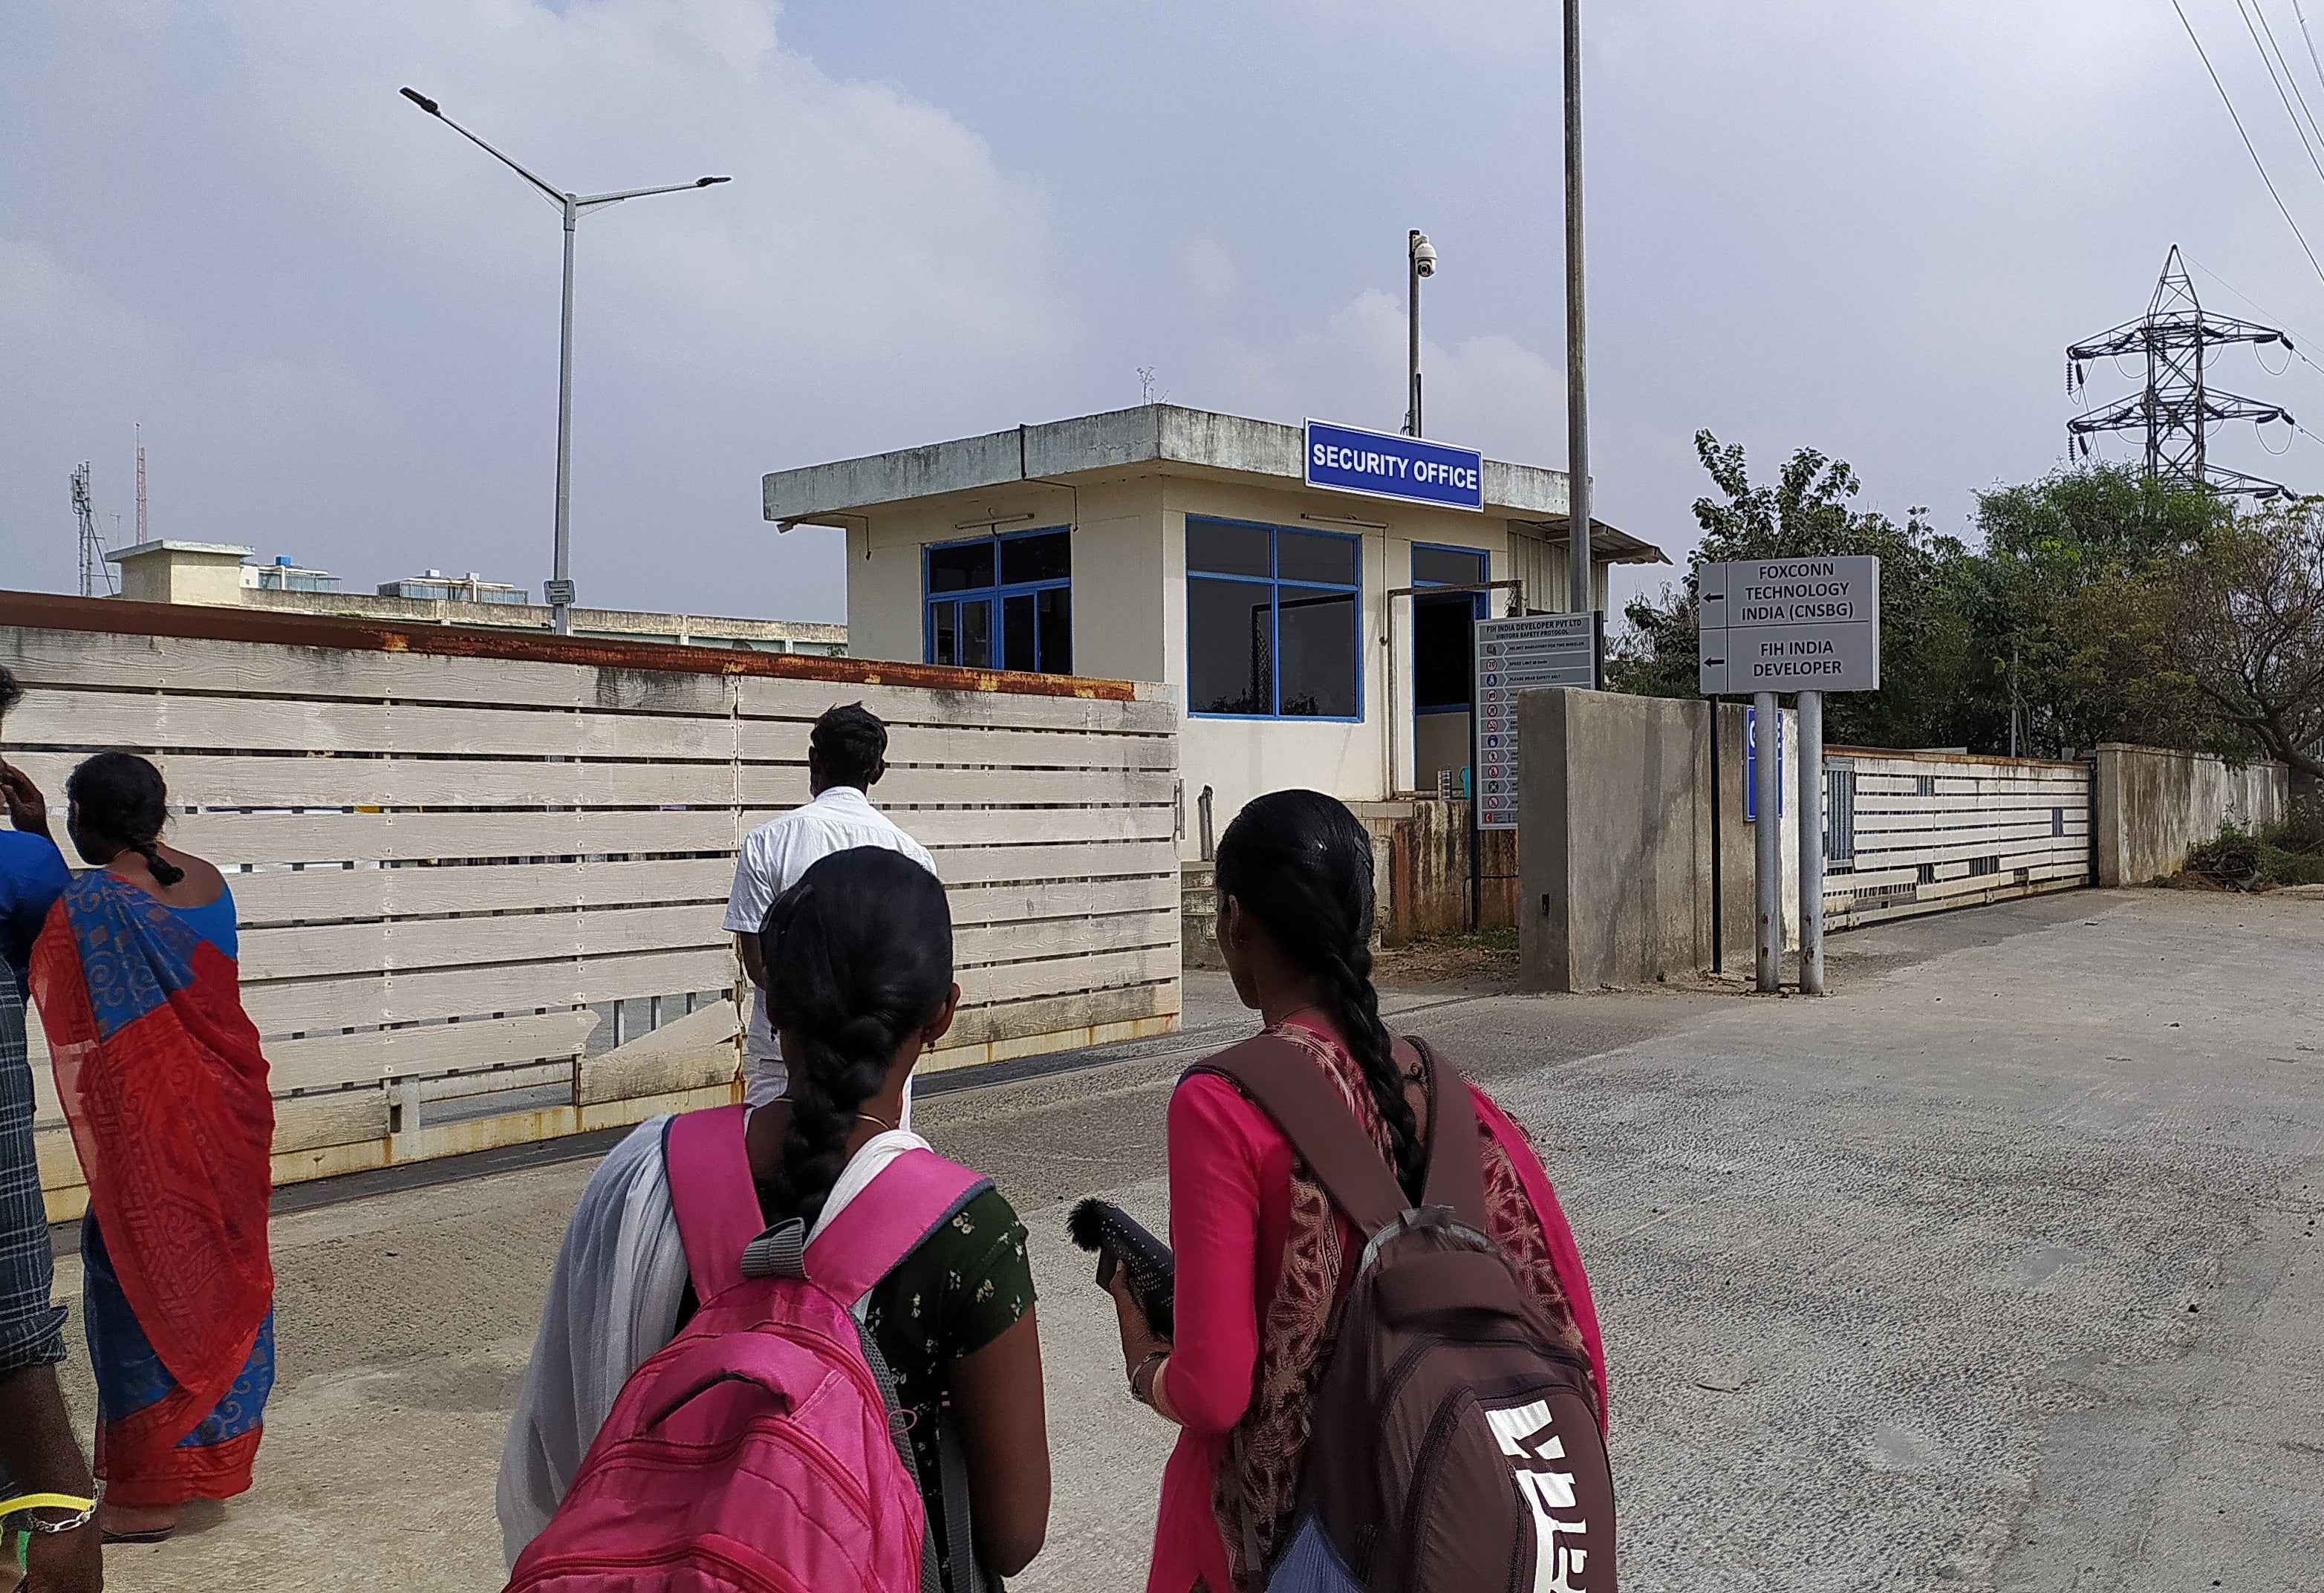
(558, 590)
(1423, 256)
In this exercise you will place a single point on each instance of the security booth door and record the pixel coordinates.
(1443, 649)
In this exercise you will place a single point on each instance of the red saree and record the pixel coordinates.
(164, 1084)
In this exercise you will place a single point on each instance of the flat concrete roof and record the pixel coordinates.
(210, 549)
(1195, 441)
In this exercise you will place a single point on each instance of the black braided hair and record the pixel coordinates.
(858, 956)
(119, 797)
(1301, 863)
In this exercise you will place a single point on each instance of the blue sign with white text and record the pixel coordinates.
(1383, 464)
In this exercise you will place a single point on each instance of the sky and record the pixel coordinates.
(1865, 226)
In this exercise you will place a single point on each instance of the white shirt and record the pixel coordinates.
(774, 856)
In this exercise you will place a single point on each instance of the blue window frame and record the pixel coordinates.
(1000, 602)
(1274, 619)
(1444, 627)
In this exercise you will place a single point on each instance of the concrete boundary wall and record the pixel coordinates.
(2154, 805)
(477, 870)
(1614, 807)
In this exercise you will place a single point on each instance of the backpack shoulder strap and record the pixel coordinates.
(1456, 1171)
(912, 1197)
(710, 1191)
(1282, 1080)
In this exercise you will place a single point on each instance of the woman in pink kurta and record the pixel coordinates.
(1262, 1254)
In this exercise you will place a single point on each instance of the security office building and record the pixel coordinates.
(1303, 624)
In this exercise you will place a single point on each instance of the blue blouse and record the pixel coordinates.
(214, 922)
(32, 875)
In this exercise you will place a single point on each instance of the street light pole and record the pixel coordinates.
(558, 592)
(1584, 594)
(1421, 258)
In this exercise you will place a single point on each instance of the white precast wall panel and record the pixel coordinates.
(444, 863)
(1933, 831)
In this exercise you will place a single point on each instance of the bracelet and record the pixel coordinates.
(1154, 1358)
(30, 1502)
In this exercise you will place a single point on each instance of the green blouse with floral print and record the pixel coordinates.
(967, 1284)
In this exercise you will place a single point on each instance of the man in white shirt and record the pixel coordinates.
(847, 752)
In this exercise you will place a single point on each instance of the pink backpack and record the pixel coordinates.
(763, 1451)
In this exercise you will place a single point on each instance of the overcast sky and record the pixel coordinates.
(1865, 225)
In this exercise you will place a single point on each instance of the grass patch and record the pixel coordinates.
(1483, 940)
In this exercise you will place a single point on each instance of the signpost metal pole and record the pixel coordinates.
(1768, 838)
(1810, 843)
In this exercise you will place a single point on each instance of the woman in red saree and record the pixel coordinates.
(164, 1084)
(1262, 1254)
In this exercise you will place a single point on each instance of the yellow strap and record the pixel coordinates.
(45, 1502)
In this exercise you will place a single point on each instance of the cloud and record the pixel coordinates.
(337, 320)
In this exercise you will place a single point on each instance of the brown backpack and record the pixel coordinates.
(1455, 1446)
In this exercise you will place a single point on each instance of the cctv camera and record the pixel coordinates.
(1424, 257)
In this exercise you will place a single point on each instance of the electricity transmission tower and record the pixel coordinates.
(2180, 404)
(93, 567)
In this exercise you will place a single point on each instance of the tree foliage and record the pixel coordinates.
(1807, 511)
(2103, 606)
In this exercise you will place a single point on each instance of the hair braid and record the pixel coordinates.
(827, 1092)
(1357, 1006)
(165, 872)
(1301, 864)
(858, 956)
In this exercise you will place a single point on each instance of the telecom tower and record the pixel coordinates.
(2180, 405)
(93, 567)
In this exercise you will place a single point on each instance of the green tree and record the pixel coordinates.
(1925, 641)
(2245, 622)
(2069, 604)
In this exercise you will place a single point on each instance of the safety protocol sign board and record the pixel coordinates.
(1384, 464)
(1513, 655)
(1790, 625)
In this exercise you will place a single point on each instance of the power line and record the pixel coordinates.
(2206, 55)
(2262, 310)
(2307, 143)
(2310, 38)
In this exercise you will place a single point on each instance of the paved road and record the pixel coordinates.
(1997, 1270)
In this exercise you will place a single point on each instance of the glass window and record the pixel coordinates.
(1017, 649)
(1305, 556)
(1002, 603)
(1448, 566)
(1273, 621)
(1053, 629)
(1044, 556)
(960, 566)
(1229, 646)
(1317, 639)
(1224, 548)
(976, 635)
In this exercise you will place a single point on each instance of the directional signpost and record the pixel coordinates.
(1513, 655)
(1805, 625)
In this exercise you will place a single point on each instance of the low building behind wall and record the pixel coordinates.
(1176, 545)
(2155, 805)
(467, 861)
